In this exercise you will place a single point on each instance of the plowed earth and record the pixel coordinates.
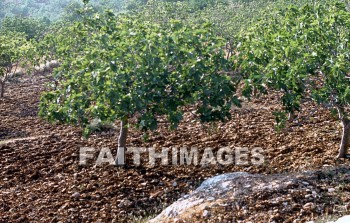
(41, 179)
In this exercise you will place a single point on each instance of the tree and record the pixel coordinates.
(2, 13)
(13, 49)
(32, 28)
(131, 68)
(72, 12)
(302, 52)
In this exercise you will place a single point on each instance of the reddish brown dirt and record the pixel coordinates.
(39, 175)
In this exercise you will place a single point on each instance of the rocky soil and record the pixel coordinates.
(41, 179)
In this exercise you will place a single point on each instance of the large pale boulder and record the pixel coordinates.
(293, 197)
(216, 190)
(345, 219)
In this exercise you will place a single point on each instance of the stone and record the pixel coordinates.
(345, 219)
(206, 213)
(76, 195)
(331, 190)
(309, 206)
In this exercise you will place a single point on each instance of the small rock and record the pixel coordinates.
(308, 196)
(305, 183)
(331, 190)
(174, 184)
(206, 213)
(289, 183)
(210, 198)
(73, 210)
(76, 195)
(309, 206)
(186, 196)
(125, 203)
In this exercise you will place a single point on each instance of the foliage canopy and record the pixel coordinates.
(14, 48)
(303, 53)
(126, 67)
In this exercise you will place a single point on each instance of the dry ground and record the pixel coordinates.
(41, 180)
